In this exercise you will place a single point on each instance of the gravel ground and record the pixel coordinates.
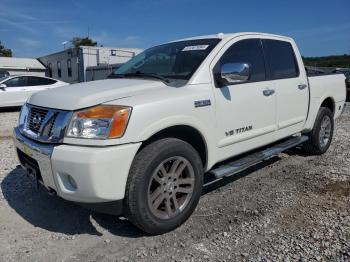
(290, 208)
(8, 119)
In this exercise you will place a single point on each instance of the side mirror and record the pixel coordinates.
(234, 73)
(3, 87)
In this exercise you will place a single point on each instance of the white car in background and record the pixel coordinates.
(16, 89)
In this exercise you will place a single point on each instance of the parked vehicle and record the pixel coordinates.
(346, 72)
(140, 143)
(16, 89)
(4, 73)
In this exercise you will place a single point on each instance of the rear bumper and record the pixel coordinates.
(86, 175)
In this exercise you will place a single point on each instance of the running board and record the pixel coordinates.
(253, 159)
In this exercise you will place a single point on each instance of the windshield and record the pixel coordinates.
(177, 60)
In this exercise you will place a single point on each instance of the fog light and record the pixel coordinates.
(72, 182)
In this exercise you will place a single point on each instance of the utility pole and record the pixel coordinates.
(64, 44)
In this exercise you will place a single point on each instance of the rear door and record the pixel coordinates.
(14, 94)
(292, 93)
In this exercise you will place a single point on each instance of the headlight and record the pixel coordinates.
(101, 122)
(23, 117)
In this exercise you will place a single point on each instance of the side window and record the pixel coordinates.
(39, 81)
(247, 51)
(49, 81)
(59, 72)
(16, 82)
(281, 59)
(69, 67)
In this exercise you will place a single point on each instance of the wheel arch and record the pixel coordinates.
(315, 105)
(186, 133)
(328, 103)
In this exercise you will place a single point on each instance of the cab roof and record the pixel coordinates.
(232, 35)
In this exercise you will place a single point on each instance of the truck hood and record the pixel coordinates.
(82, 95)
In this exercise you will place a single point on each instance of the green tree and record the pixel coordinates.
(328, 61)
(5, 51)
(85, 41)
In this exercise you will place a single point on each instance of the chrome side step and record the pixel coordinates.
(247, 161)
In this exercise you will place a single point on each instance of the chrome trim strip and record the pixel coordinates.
(252, 159)
(44, 149)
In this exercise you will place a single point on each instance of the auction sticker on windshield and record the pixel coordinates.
(195, 47)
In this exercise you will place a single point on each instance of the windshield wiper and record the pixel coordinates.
(139, 74)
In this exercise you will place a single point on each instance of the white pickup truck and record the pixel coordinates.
(139, 143)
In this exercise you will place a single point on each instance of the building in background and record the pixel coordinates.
(71, 65)
(100, 72)
(21, 66)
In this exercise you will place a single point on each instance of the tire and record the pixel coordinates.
(152, 175)
(315, 146)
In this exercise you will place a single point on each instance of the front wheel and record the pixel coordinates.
(164, 185)
(321, 135)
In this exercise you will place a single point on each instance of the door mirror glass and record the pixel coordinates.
(234, 73)
(3, 87)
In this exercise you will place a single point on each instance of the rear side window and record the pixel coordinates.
(39, 81)
(246, 51)
(50, 81)
(281, 59)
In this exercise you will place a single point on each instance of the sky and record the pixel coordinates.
(37, 28)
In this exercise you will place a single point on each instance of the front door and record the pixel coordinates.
(246, 112)
(14, 94)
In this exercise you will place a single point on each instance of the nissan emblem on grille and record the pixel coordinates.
(45, 124)
(36, 121)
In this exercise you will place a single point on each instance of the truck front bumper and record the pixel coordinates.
(89, 175)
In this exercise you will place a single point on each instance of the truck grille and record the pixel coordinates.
(44, 124)
(36, 118)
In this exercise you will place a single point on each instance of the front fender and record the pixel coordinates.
(182, 120)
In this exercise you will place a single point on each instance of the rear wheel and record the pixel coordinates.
(164, 185)
(321, 135)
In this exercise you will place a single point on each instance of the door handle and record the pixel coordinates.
(302, 86)
(268, 92)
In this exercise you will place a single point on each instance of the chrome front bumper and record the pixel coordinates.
(28, 150)
(41, 153)
(78, 173)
